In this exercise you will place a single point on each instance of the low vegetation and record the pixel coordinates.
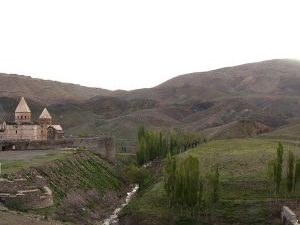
(283, 183)
(9, 165)
(188, 188)
(85, 187)
(157, 144)
(243, 192)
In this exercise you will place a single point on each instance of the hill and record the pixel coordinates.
(244, 193)
(236, 129)
(280, 77)
(265, 93)
(45, 91)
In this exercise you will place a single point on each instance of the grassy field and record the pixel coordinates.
(242, 163)
(245, 196)
(10, 165)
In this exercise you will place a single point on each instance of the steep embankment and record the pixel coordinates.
(85, 187)
(236, 129)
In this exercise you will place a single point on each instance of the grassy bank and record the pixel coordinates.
(245, 196)
(11, 165)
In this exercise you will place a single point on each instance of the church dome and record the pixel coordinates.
(45, 114)
(22, 107)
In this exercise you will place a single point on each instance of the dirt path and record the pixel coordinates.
(25, 155)
(14, 218)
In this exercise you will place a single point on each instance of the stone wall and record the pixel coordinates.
(288, 216)
(13, 186)
(23, 132)
(104, 146)
(26, 194)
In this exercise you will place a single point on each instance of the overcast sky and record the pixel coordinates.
(131, 44)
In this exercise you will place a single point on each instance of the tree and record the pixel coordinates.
(272, 167)
(153, 144)
(212, 188)
(191, 176)
(180, 187)
(169, 178)
(142, 153)
(141, 132)
(290, 171)
(297, 173)
(136, 175)
(215, 191)
(278, 172)
(186, 187)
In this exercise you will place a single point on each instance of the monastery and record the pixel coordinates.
(24, 129)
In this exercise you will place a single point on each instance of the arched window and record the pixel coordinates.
(21, 117)
(16, 131)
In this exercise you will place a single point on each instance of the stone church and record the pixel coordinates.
(23, 128)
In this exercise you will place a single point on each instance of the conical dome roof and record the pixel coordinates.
(45, 114)
(22, 106)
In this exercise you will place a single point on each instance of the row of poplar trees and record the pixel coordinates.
(283, 176)
(157, 144)
(188, 188)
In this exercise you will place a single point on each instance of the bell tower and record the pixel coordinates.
(22, 112)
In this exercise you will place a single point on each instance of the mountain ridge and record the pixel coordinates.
(265, 93)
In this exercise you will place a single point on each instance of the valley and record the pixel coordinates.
(244, 189)
(231, 117)
(265, 93)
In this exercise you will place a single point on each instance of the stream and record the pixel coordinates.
(113, 218)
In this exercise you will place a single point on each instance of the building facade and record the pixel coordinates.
(22, 128)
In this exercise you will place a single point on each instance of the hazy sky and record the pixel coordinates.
(130, 44)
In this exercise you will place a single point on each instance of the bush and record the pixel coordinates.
(136, 175)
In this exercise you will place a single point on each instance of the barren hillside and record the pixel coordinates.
(266, 93)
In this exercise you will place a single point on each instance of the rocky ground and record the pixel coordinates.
(8, 217)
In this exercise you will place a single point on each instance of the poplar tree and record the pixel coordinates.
(141, 132)
(290, 171)
(169, 178)
(191, 167)
(297, 173)
(278, 174)
(272, 167)
(216, 181)
(179, 187)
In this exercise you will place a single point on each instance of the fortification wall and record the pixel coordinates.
(104, 146)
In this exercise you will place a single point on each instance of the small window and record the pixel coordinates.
(21, 117)
(16, 131)
(25, 117)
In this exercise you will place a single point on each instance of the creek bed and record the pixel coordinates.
(113, 218)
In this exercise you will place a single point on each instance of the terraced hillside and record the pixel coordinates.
(85, 187)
